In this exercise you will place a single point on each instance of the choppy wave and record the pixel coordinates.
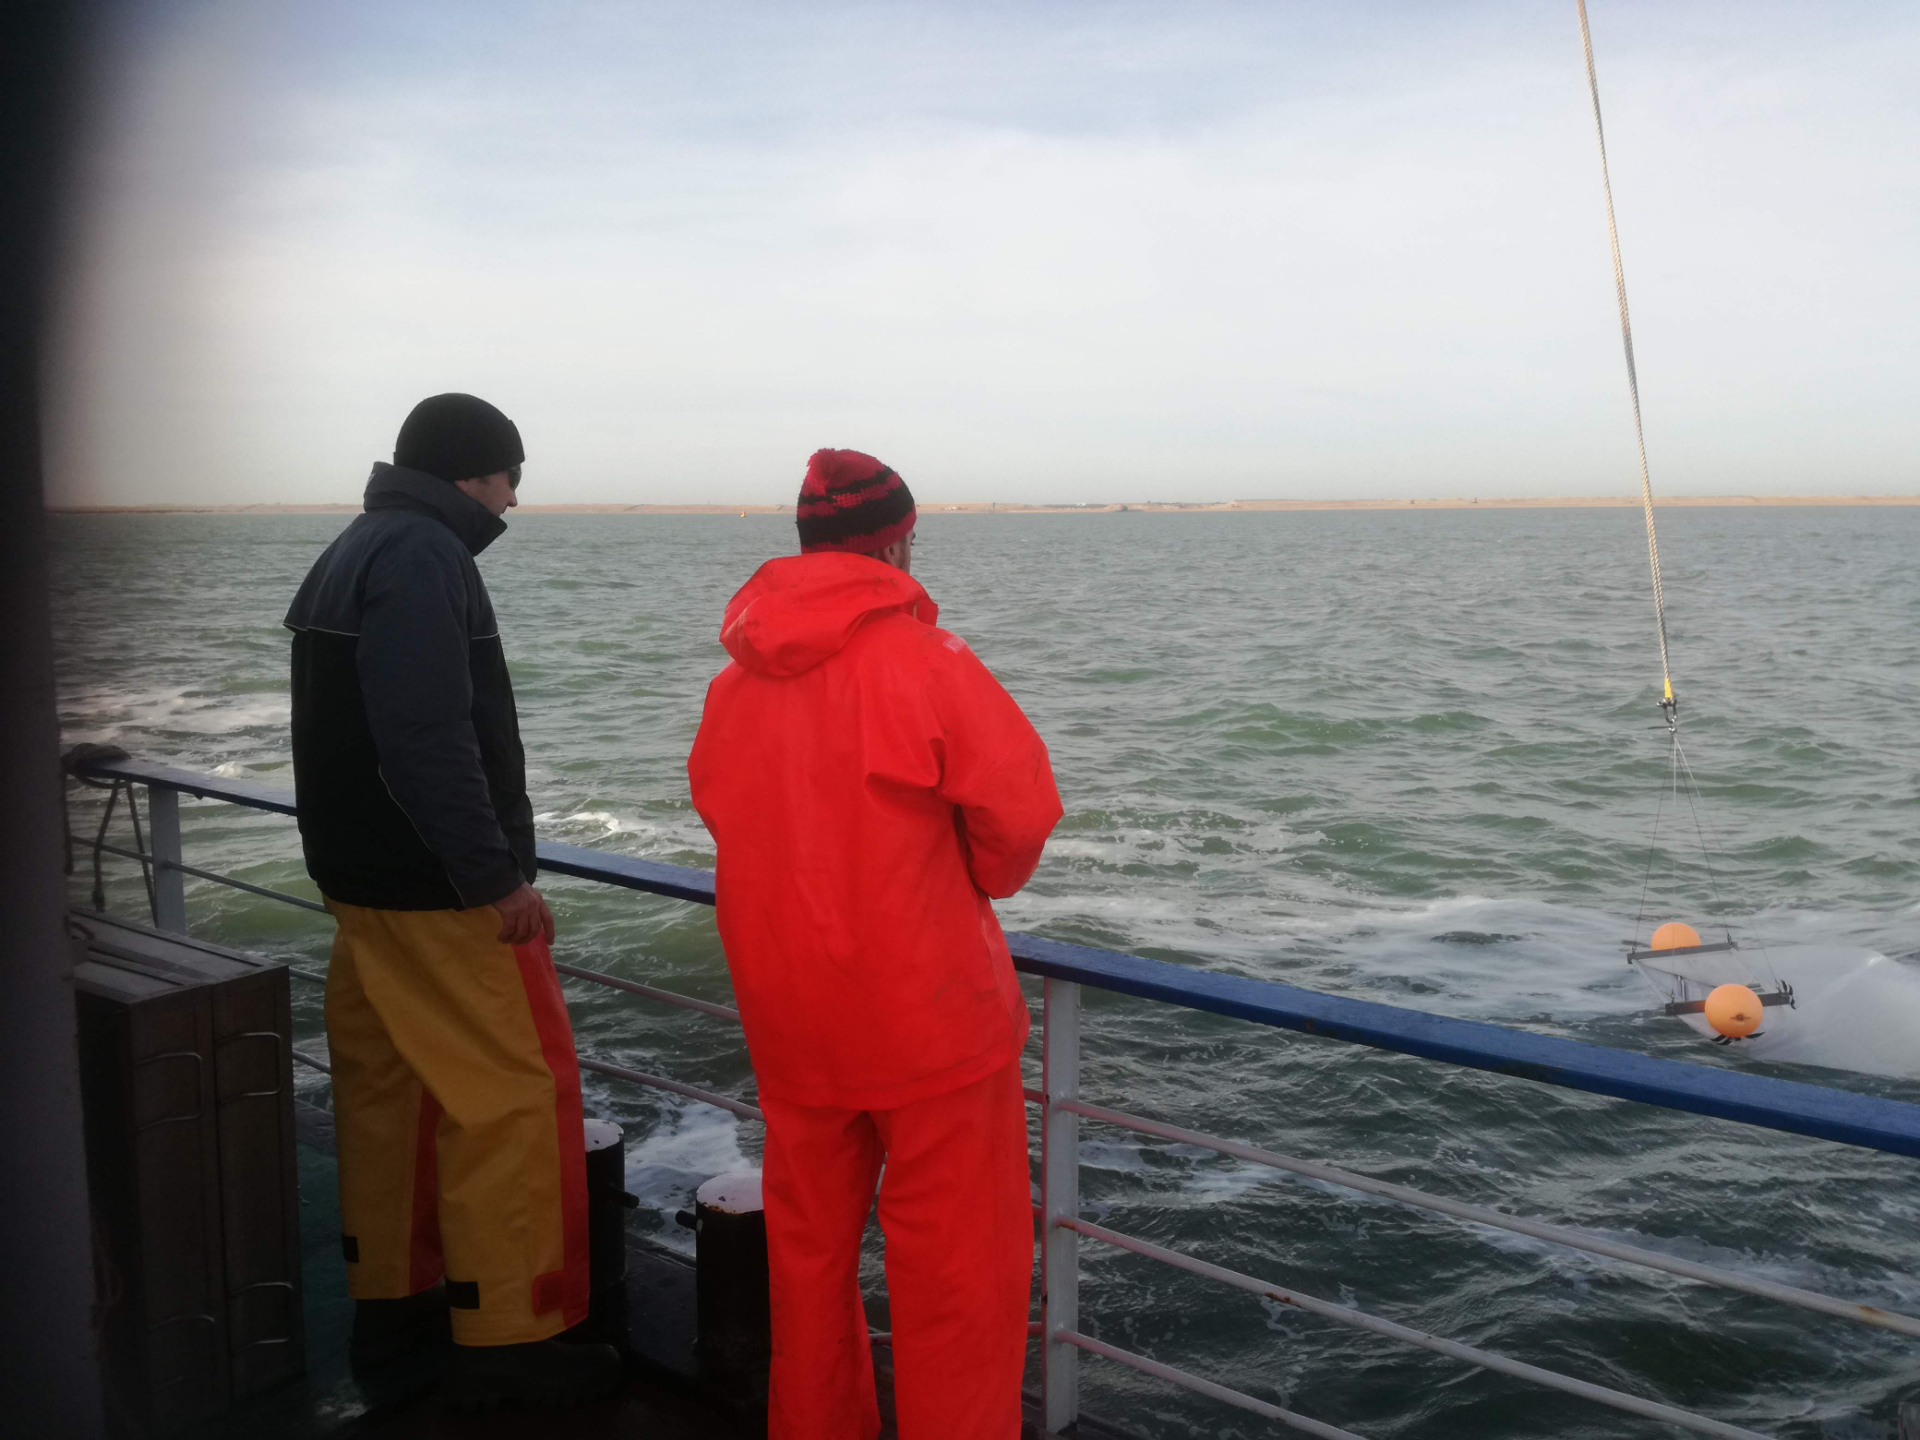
(1409, 758)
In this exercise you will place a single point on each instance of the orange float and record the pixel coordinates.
(1734, 1011)
(1674, 936)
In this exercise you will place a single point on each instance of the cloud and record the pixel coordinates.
(1024, 252)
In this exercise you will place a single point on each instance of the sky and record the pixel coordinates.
(1041, 252)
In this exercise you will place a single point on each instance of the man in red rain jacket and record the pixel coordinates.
(869, 785)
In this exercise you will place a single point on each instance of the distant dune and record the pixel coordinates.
(988, 507)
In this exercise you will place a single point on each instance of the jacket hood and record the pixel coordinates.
(802, 609)
(394, 487)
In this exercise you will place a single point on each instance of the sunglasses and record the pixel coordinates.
(513, 477)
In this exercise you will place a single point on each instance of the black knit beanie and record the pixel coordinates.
(457, 437)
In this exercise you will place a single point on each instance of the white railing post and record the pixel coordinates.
(1060, 1199)
(163, 841)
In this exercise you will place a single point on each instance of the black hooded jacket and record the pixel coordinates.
(406, 747)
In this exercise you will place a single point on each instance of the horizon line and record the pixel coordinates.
(992, 507)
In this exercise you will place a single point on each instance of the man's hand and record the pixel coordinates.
(523, 916)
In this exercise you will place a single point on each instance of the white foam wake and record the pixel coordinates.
(689, 1144)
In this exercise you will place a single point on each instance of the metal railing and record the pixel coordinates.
(1869, 1122)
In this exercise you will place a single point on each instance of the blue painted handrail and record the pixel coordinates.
(189, 782)
(1868, 1121)
(682, 882)
(1865, 1120)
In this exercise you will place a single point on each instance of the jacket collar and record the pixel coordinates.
(391, 487)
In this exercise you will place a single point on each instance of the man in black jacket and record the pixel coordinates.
(456, 1091)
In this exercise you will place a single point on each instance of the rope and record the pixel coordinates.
(113, 790)
(99, 874)
(1653, 849)
(1633, 377)
(1706, 852)
(1669, 707)
(146, 871)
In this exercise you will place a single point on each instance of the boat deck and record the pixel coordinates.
(665, 1396)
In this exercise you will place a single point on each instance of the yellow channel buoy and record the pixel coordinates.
(1674, 936)
(1734, 1011)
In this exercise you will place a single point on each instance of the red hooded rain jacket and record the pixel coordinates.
(868, 785)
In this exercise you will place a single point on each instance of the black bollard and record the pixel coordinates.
(731, 1288)
(607, 1202)
(607, 1205)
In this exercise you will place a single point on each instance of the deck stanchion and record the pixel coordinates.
(169, 882)
(1060, 1200)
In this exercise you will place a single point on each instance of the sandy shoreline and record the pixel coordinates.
(977, 507)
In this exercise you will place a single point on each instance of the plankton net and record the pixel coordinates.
(1693, 977)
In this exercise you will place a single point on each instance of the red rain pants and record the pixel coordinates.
(956, 1207)
(456, 1101)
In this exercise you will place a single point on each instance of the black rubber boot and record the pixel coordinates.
(542, 1373)
(387, 1331)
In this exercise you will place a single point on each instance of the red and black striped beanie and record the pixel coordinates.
(851, 501)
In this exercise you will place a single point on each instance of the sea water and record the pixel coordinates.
(1413, 757)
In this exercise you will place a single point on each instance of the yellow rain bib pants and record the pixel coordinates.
(457, 1110)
